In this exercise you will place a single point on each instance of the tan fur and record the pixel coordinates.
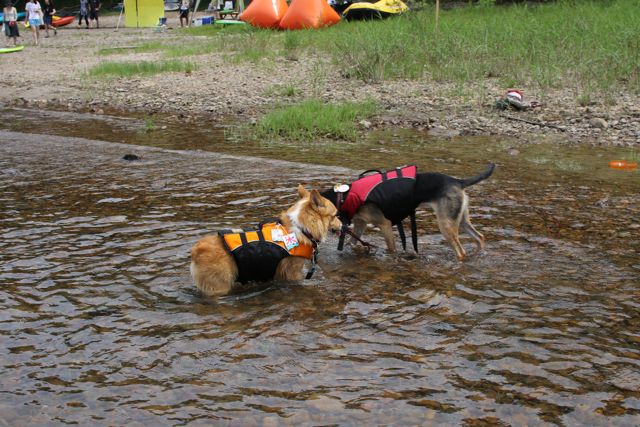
(214, 269)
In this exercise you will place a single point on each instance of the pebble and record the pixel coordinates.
(365, 124)
(598, 123)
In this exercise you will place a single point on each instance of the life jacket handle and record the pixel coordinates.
(268, 221)
(369, 171)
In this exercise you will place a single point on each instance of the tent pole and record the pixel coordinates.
(120, 17)
(195, 10)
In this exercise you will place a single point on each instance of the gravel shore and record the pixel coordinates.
(52, 75)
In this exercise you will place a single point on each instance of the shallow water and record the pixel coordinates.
(99, 320)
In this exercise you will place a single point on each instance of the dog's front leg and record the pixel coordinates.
(359, 226)
(290, 269)
(387, 231)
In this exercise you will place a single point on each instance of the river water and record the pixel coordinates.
(100, 322)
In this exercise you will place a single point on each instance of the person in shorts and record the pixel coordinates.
(48, 10)
(10, 21)
(94, 7)
(184, 13)
(34, 17)
(84, 12)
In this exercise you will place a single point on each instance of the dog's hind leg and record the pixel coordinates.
(449, 212)
(212, 267)
(467, 227)
(450, 232)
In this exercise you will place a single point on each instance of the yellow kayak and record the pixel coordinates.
(378, 10)
(11, 49)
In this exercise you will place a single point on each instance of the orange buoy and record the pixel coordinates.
(309, 14)
(265, 13)
(623, 164)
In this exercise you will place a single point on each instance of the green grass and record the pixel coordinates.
(590, 44)
(313, 119)
(282, 90)
(142, 68)
(586, 46)
(142, 48)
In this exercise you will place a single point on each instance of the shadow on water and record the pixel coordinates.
(99, 320)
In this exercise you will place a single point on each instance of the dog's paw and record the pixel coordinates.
(361, 249)
(409, 256)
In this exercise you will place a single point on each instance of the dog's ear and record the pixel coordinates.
(316, 199)
(302, 192)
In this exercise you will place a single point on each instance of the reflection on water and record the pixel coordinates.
(100, 322)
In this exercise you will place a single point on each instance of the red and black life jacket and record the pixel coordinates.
(391, 191)
(257, 254)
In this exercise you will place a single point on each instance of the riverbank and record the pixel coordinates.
(53, 75)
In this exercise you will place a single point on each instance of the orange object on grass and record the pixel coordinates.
(62, 21)
(265, 13)
(309, 14)
(623, 164)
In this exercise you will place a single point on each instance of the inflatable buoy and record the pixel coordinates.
(309, 14)
(623, 164)
(265, 13)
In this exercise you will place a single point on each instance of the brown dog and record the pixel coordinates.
(215, 268)
(443, 193)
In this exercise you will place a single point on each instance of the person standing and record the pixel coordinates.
(34, 16)
(94, 7)
(184, 12)
(84, 12)
(10, 21)
(48, 10)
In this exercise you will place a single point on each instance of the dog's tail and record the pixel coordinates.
(481, 177)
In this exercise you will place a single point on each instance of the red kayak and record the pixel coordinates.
(61, 22)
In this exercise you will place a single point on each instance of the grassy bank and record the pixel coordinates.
(142, 68)
(587, 46)
(314, 119)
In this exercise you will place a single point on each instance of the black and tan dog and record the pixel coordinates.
(386, 198)
(277, 250)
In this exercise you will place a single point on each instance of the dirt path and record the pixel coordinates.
(51, 75)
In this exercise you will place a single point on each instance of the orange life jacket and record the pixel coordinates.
(257, 254)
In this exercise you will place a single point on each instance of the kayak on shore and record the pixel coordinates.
(61, 21)
(11, 49)
(56, 21)
(20, 16)
(378, 10)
